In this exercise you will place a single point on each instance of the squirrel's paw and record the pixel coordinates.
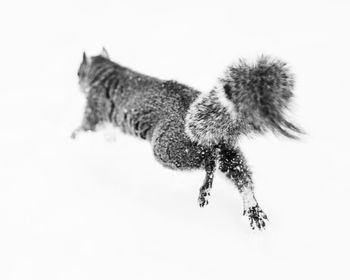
(257, 218)
(76, 132)
(203, 197)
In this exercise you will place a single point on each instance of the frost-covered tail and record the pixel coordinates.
(249, 98)
(261, 94)
(211, 119)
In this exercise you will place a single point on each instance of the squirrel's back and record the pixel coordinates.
(136, 102)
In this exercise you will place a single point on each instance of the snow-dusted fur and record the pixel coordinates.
(249, 98)
(211, 119)
(261, 94)
(189, 129)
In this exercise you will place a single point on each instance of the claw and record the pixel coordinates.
(256, 217)
(202, 200)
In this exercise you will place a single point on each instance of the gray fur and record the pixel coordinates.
(188, 129)
(209, 122)
(261, 94)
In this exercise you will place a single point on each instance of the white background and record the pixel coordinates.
(91, 209)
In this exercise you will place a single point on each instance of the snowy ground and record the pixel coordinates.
(91, 209)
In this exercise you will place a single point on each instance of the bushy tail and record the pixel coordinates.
(261, 94)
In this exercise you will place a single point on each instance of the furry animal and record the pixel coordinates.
(189, 129)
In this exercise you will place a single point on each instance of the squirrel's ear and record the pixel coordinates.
(86, 60)
(104, 53)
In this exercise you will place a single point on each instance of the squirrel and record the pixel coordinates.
(189, 129)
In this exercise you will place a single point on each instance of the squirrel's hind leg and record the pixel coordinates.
(173, 149)
(204, 192)
(234, 166)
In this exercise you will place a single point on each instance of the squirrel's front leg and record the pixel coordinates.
(89, 122)
(204, 192)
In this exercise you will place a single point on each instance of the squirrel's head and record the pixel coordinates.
(90, 81)
(87, 72)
